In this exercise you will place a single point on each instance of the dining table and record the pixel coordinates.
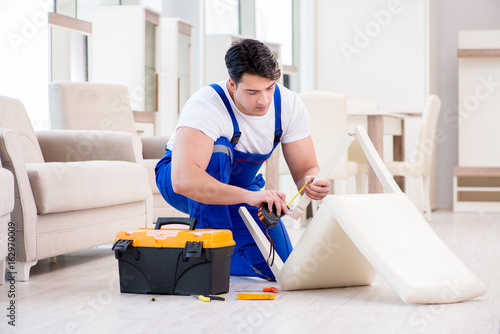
(378, 125)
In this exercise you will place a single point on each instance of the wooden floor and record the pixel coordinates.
(80, 294)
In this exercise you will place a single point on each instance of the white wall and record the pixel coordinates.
(455, 15)
(374, 50)
(118, 46)
(24, 56)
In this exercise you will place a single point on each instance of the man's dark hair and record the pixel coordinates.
(251, 57)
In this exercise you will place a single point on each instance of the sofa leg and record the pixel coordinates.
(23, 270)
(2, 271)
(53, 259)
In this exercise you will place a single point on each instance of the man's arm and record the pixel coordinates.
(301, 160)
(191, 154)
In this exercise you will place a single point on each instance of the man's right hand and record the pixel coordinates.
(271, 197)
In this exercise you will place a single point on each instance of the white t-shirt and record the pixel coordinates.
(205, 111)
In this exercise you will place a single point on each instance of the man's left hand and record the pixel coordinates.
(317, 190)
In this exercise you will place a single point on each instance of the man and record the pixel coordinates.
(225, 132)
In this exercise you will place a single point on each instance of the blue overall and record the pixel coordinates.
(232, 167)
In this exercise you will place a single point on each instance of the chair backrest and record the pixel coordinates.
(355, 107)
(362, 107)
(328, 125)
(427, 135)
(90, 106)
(13, 116)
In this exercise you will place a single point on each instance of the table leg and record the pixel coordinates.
(376, 134)
(399, 154)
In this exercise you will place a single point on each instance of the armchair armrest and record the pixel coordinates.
(153, 147)
(77, 145)
(24, 215)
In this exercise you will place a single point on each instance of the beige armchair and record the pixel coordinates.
(6, 207)
(98, 106)
(73, 189)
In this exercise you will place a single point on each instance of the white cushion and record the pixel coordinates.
(396, 239)
(325, 257)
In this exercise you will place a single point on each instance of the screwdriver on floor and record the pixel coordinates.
(271, 289)
(207, 298)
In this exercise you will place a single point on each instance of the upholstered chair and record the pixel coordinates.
(101, 106)
(421, 165)
(73, 189)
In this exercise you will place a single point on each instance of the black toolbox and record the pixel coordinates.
(174, 261)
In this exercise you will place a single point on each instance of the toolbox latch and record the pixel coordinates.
(121, 245)
(192, 249)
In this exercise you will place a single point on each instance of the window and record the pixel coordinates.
(221, 17)
(273, 23)
(69, 38)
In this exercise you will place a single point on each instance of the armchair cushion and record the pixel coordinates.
(79, 145)
(154, 147)
(61, 187)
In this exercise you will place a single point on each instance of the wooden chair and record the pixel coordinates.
(421, 164)
(328, 113)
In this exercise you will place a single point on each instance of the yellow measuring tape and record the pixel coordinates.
(299, 192)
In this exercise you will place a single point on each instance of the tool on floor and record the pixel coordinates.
(207, 298)
(271, 289)
(153, 299)
(254, 296)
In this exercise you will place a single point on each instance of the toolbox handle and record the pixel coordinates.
(176, 220)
